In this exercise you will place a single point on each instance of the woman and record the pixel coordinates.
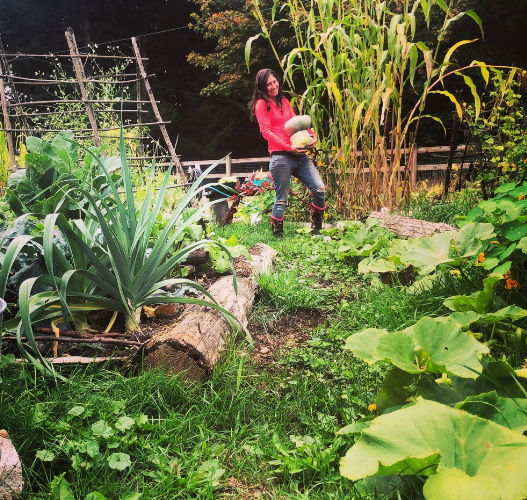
(273, 110)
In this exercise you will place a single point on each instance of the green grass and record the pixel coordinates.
(245, 428)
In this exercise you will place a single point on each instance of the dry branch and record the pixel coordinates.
(86, 340)
(192, 346)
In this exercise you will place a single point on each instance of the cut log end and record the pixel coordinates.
(173, 361)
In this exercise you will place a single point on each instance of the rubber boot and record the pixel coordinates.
(278, 227)
(317, 217)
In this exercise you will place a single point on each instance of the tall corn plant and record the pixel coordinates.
(113, 263)
(356, 59)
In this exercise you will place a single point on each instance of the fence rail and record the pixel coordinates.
(240, 167)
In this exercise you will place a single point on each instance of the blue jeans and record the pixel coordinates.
(282, 167)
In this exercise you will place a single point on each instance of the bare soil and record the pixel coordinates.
(285, 332)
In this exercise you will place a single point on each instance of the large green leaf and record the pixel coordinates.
(468, 241)
(429, 253)
(466, 457)
(449, 349)
(514, 313)
(511, 413)
(397, 348)
(431, 345)
(396, 390)
(363, 344)
(478, 302)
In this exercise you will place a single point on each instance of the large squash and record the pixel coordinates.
(301, 139)
(296, 124)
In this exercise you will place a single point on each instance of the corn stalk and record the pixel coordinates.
(356, 58)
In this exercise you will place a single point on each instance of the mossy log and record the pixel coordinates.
(191, 347)
(411, 228)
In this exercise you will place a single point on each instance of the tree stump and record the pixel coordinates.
(192, 346)
(406, 226)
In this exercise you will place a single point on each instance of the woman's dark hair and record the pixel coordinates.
(260, 90)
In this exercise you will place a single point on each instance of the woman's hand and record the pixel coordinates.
(298, 150)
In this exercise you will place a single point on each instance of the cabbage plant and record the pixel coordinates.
(111, 261)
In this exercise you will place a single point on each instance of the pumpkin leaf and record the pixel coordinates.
(513, 313)
(464, 456)
(449, 349)
(356, 428)
(363, 344)
(395, 390)
(511, 413)
(397, 348)
(428, 253)
(468, 241)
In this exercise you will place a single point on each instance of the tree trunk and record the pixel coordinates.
(406, 226)
(191, 347)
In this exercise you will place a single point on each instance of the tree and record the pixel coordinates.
(230, 23)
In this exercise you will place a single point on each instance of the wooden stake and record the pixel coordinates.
(171, 150)
(139, 118)
(413, 165)
(79, 71)
(7, 123)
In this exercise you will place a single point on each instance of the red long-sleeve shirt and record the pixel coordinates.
(272, 124)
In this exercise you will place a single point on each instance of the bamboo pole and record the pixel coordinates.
(73, 111)
(57, 101)
(132, 125)
(79, 71)
(175, 159)
(228, 165)
(7, 123)
(39, 81)
(91, 56)
(139, 111)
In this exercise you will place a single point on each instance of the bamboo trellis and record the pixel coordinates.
(13, 101)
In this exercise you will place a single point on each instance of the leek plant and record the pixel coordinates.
(110, 262)
(356, 58)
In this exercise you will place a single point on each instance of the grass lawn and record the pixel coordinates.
(263, 425)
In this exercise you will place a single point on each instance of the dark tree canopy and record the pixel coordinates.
(201, 77)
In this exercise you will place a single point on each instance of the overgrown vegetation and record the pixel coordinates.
(356, 64)
(381, 367)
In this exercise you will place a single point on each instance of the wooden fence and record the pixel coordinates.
(243, 166)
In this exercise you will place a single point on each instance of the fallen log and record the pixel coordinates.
(406, 226)
(192, 346)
